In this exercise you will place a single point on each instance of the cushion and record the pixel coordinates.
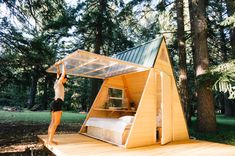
(128, 119)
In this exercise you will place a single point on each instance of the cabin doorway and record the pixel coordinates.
(164, 108)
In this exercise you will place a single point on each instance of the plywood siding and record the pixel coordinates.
(180, 130)
(179, 127)
(166, 106)
(159, 93)
(143, 130)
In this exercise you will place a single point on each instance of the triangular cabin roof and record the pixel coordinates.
(86, 64)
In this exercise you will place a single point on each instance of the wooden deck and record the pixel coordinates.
(80, 145)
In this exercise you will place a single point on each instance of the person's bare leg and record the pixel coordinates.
(56, 116)
(49, 128)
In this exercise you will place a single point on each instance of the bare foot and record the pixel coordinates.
(54, 142)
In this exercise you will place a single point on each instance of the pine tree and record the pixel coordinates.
(183, 82)
(206, 112)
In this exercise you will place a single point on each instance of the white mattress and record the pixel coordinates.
(112, 124)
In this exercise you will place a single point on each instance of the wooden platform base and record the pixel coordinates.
(80, 145)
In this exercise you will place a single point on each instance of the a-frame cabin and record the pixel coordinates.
(138, 85)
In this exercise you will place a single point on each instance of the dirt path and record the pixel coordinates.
(20, 137)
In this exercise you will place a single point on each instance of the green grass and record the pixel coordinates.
(225, 125)
(225, 131)
(38, 117)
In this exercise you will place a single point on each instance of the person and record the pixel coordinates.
(56, 105)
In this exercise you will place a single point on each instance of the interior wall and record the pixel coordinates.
(98, 102)
(135, 83)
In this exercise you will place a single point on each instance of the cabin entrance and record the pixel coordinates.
(164, 108)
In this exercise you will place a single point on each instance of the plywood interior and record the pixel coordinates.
(132, 84)
(135, 83)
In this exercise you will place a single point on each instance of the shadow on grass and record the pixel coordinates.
(225, 131)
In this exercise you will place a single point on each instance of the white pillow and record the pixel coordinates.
(127, 119)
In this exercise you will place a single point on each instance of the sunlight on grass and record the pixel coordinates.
(38, 117)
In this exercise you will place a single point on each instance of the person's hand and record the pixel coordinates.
(59, 62)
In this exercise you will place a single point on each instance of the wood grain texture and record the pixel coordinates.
(80, 145)
(143, 130)
(179, 126)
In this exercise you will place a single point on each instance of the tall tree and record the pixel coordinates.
(206, 112)
(183, 82)
(25, 37)
(230, 11)
(104, 35)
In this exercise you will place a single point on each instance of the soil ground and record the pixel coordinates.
(21, 138)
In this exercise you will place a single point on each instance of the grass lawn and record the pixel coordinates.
(23, 127)
(38, 117)
(225, 131)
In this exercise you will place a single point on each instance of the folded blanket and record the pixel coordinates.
(112, 124)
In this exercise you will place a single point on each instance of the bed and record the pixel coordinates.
(113, 130)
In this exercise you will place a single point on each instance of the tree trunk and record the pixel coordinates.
(33, 91)
(230, 4)
(206, 120)
(98, 44)
(183, 82)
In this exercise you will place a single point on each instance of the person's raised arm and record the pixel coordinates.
(58, 69)
(63, 71)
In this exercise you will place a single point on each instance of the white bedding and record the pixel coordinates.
(112, 124)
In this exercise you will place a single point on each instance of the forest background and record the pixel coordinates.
(200, 36)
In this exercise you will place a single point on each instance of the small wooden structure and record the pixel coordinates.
(145, 87)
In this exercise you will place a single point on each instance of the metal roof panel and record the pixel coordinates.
(144, 54)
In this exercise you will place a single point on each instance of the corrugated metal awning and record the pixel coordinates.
(86, 64)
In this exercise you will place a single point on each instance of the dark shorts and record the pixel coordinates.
(56, 105)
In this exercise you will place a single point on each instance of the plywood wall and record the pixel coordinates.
(143, 130)
(135, 83)
(179, 127)
(166, 107)
(99, 100)
(159, 93)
